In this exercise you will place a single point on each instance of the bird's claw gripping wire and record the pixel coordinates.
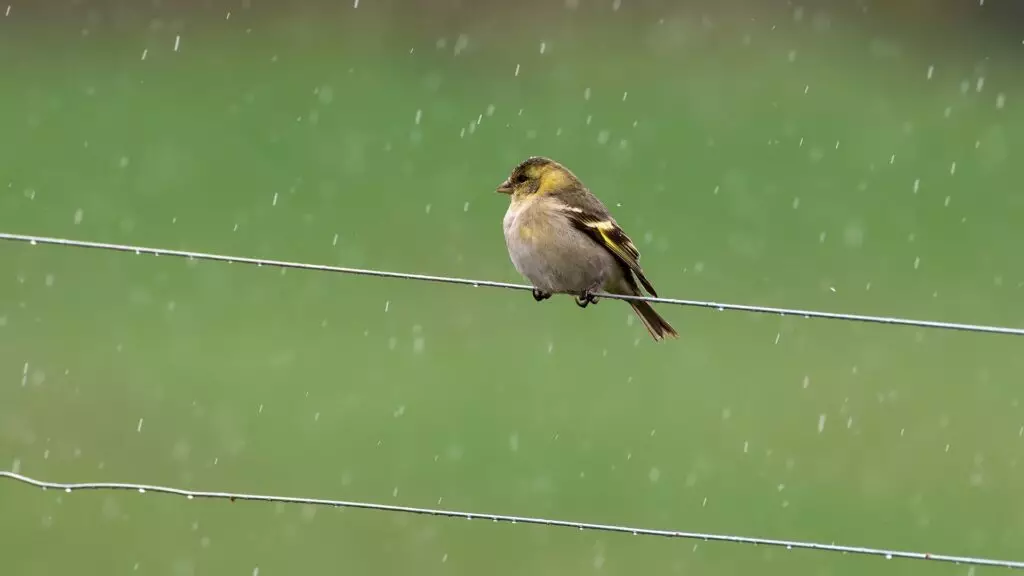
(539, 295)
(585, 298)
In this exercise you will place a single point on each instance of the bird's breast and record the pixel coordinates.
(519, 223)
(530, 224)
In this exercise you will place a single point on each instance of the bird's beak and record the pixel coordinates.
(504, 188)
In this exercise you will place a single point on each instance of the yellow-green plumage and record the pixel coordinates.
(564, 241)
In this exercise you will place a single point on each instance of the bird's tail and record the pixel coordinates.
(654, 323)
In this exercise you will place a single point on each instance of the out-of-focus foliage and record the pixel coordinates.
(857, 157)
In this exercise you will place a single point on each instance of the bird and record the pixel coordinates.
(563, 240)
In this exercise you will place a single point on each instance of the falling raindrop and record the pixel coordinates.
(461, 43)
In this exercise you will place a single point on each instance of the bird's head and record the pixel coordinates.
(536, 175)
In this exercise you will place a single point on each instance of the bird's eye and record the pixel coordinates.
(519, 178)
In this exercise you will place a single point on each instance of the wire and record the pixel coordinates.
(788, 544)
(34, 240)
(707, 537)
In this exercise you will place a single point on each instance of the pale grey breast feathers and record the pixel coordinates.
(551, 253)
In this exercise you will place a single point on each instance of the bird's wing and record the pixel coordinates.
(588, 215)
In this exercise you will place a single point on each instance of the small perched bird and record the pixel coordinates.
(564, 241)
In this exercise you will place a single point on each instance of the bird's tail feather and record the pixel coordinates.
(654, 323)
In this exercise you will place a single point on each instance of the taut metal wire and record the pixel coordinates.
(492, 284)
(787, 544)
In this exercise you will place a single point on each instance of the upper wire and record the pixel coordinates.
(706, 537)
(34, 240)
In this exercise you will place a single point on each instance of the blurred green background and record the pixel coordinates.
(842, 156)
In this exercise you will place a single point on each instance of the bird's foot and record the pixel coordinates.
(539, 295)
(585, 298)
